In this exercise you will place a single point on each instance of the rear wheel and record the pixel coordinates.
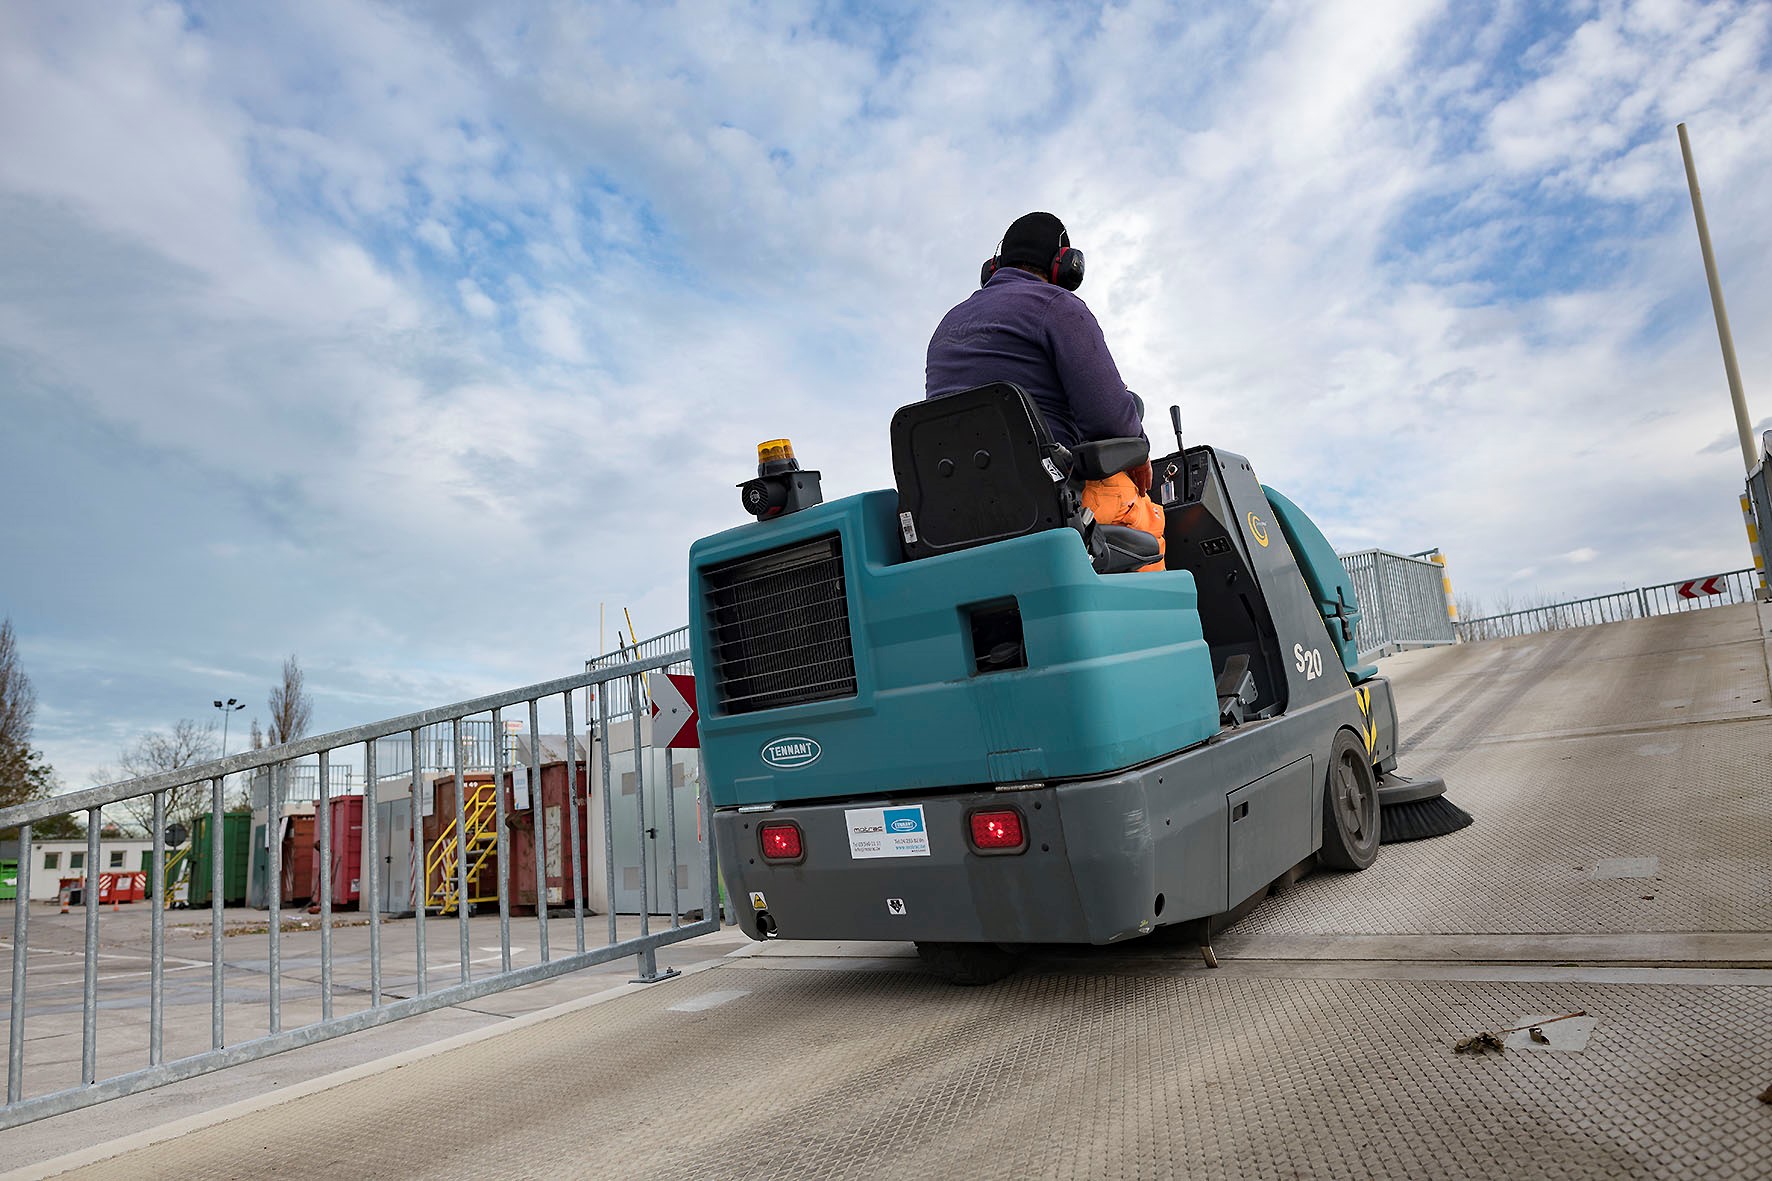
(1350, 807)
(967, 963)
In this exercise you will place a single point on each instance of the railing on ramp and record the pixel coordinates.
(362, 988)
(1402, 602)
(1665, 598)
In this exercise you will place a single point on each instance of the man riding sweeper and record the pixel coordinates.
(933, 713)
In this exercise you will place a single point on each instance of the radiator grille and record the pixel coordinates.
(779, 627)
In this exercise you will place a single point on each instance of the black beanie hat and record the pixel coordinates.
(1032, 240)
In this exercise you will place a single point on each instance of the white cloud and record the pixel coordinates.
(478, 304)
(435, 235)
(551, 322)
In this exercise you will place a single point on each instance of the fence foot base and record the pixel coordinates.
(655, 977)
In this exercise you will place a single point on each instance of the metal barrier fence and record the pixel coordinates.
(1402, 602)
(619, 701)
(366, 986)
(1666, 598)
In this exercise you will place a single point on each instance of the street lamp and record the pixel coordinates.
(232, 706)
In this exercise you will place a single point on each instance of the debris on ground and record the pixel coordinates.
(1766, 1095)
(1482, 1043)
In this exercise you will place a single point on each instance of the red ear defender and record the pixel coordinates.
(987, 270)
(1067, 268)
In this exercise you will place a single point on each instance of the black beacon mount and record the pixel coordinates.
(780, 487)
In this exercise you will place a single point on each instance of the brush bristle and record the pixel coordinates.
(1421, 819)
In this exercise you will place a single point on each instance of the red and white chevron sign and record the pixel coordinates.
(1697, 588)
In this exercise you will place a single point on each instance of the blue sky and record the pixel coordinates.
(402, 337)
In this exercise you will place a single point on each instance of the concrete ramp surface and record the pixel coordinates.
(1621, 779)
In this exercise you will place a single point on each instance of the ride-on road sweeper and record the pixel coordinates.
(947, 714)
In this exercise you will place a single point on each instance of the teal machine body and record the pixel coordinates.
(993, 744)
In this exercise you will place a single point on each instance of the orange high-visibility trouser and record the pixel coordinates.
(1117, 501)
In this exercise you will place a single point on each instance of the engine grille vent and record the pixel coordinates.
(779, 627)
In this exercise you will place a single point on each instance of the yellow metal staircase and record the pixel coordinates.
(172, 889)
(480, 814)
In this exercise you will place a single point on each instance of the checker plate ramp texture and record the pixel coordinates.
(1646, 739)
(1571, 748)
(883, 1074)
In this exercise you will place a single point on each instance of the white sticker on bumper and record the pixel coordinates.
(886, 832)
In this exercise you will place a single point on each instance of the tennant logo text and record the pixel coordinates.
(787, 753)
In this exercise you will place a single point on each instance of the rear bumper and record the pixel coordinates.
(952, 894)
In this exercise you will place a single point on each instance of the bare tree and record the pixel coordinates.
(291, 710)
(25, 775)
(18, 706)
(185, 745)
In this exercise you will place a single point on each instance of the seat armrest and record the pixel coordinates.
(1120, 549)
(1107, 457)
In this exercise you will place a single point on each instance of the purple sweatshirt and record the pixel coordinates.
(1019, 328)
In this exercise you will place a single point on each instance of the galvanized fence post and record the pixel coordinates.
(21, 929)
(369, 868)
(504, 814)
(608, 803)
(461, 847)
(420, 877)
(89, 1010)
(274, 894)
(157, 934)
(217, 851)
(538, 823)
(575, 839)
(670, 785)
(323, 841)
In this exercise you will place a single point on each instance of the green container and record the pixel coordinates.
(8, 880)
(236, 829)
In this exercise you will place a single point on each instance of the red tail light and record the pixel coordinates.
(781, 842)
(998, 831)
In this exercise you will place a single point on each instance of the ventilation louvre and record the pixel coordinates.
(778, 627)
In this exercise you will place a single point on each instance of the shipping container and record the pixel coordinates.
(346, 838)
(236, 829)
(300, 860)
(551, 803)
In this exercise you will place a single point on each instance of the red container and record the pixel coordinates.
(346, 835)
(122, 887)
(555, 816)
(300, 856)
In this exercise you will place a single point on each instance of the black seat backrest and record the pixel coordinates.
(975, 467)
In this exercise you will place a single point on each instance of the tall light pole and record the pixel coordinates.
(232, 706)
(1732, 371)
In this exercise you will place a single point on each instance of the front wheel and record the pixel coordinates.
(1350, 807)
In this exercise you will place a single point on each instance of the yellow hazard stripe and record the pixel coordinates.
(1446, 584)
(1370, 728)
